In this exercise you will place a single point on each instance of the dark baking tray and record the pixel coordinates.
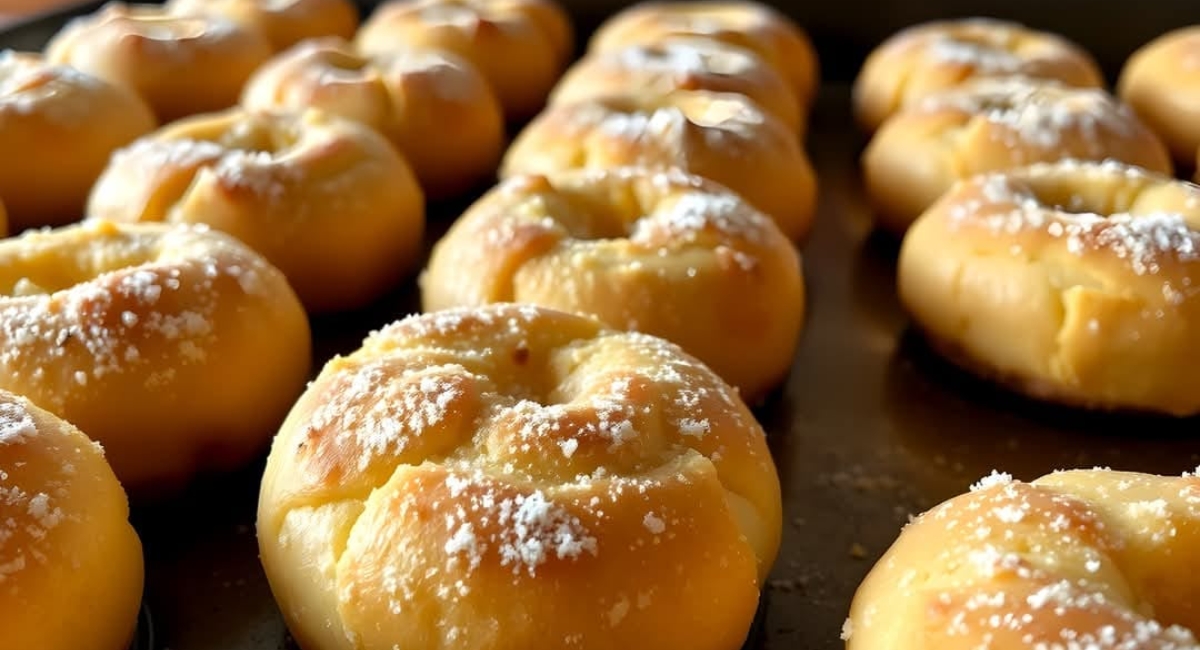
(869, 429)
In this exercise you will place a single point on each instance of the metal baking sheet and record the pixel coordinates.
(869, 429)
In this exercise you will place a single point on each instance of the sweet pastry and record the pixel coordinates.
(721, 136)
(181, 65)
(1088, 559)
(434, 106)
(43, 109)
(744, 23)
(70, 563)
(1097, 265)
(326, 200)
(176, 348)
(1160, 82)
(284, 22)
(518, 469)
(665, 253)
(680, 64)
(520, 46)
(940, 55)
(992, 125)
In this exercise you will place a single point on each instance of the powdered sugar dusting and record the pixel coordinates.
(1039, 114)
(684, 56)
(86, 329)
(376, 411)
(16, 425)
(1144, 241)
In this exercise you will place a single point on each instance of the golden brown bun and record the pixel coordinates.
(1161, 81)
(520, 470)
(665, 253)
(59, 126)
(520, 46)
(70, 563)
(328, 201)
(992, 125)
(1075, 282)
(940, 55)
(176, 348)
(434, 106)
(1086, 559)
(721, 136)
(681, 64)
(180, 65)
(284, 22)
(744, 23)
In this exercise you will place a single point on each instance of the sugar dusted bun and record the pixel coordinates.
(524, 470)
(520, 46)
(743, 23)
(1162, 82)
(181, 65)
(176, 348)
(1096, 266)
(680, 64)
(940, 55)
(665, 253)
(433, 105)
(992, 125)
(70, 563)
(284, 22)
(326, 200)
(59, 127)
(720, 136)
(1093, 559)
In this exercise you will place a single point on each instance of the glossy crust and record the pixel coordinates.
(518, 469)
(176, 348)
(434, 106)
(180, 65)
(993, 125)
(940, 55)
(665, 253)
(328, 201)
(1161, 80)
(65, 125)
(70, 563)
(681, 64)
(284, 22)
(1091, 559)
(1103, 290)
(520, 46)
(720, 136)
(744, 23)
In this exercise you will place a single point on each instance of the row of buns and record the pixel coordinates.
(1047, 247)
(213, 230)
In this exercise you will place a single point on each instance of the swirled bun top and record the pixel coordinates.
(724, 137)
(680, 64)
(70, 563)
(744, 23)
(177, 348)
(435, 106)
(521, 469)
(1093, 559)
(991, 125)
(180, 65)
(284, 22)
(939, 55)
(520, 46)
(43, 105)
